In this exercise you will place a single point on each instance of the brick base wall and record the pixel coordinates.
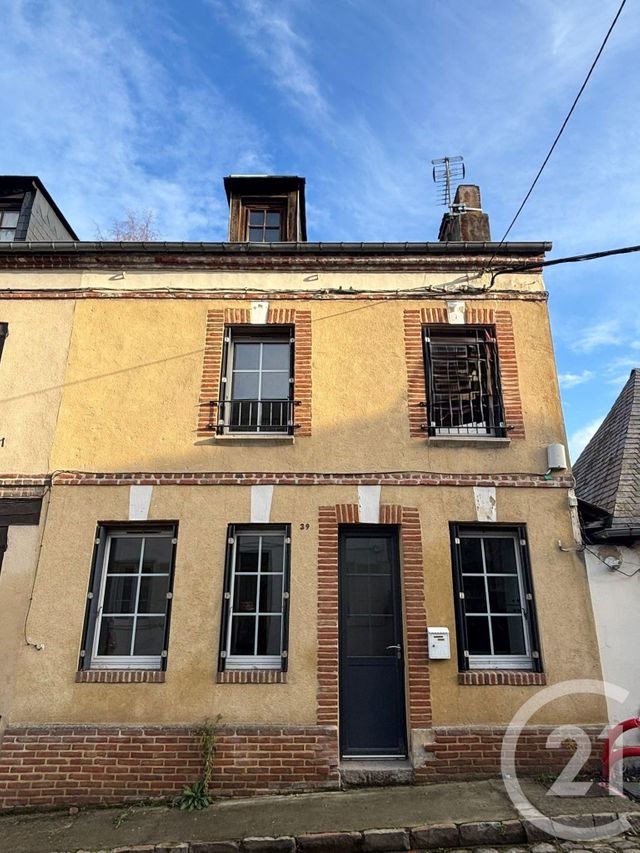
(49, 766)
(474, 753)
(82, 765)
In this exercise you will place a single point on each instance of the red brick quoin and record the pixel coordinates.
(217, 319)
(416, 318)
(61, 765)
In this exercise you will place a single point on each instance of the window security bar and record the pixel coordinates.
(252, 416)
(464, 394)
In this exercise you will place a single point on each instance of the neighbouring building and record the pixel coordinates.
(303, 486)
(28, 213)
(608, 487)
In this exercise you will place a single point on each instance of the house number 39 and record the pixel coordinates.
(303, 526)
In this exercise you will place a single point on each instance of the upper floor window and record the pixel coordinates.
(257, 382)
(494, 595)
(265, 223)
(129, 598)
(463, 381)
(8, 224)
(256, 596)
(4, 333)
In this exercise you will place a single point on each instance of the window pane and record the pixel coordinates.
(500, 555)
(475, 597)
(271, 593)
(382, 635)
(370, 555)
(120, 595)
(153, 594)
(471, 555)
(115, 635)
(269, 630)
(508, 635)
(272, 554)
(275, 386)
(157, 555)
(358, 636)
(7, 235)
(256, 217)
(247, 554)
(255, 235)
(149, 635)
(244, 593)
(504, 594)
(276, 356)
(272, 235)
(246, 356)
(478, 635)
(245, 387)
(370, 594)
(242, 635)
(10, 218)
(273, 218)
(124, 555)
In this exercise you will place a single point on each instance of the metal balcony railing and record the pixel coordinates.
(252, 416)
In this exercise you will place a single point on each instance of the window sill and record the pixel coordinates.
(251, 437)
(504, 677)
(468, 441)
(251, 676)
(120, 676)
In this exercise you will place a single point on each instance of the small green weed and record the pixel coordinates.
(193, 798)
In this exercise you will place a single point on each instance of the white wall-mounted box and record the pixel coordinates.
(439, 645)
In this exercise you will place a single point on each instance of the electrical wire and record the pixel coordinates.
(561, 131)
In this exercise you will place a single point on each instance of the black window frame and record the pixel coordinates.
(4, 334)
(284, 333)
(103, 530)
(485, 335)
(4, 532)
(229, 569)
(519, 532)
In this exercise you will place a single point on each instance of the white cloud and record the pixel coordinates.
(109, 125)
(579, 439)
(605, 333)
(570, 380)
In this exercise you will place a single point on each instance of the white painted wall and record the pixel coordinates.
(616, 606)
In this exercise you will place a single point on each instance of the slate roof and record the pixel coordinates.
(607, 471)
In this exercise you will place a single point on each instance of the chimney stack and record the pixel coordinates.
(466, 222)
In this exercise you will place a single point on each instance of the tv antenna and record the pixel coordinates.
(445, 171)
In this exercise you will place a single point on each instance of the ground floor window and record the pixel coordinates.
(496, 622)
(128, 605)
(256, 598)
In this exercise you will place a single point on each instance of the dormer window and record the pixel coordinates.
(266, 208)
(265, 223)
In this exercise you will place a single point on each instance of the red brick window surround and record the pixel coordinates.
(415, 620)
(416, 318)
(217, 319)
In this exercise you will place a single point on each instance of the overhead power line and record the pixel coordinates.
(561, 131)
(572, 259)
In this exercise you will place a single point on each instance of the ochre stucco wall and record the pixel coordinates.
(133, 382)
(46, 691)
(32, 372)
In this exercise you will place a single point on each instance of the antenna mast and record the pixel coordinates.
(445, 171)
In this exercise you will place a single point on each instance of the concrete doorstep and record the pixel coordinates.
(444, 816)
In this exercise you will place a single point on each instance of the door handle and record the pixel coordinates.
(397, 648)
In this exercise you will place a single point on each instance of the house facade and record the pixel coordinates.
(300, 486)
(608, 485)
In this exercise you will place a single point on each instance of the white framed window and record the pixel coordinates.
(8, 224)
(256, 598)
(128, 604)
(496, 620)
(257, 382)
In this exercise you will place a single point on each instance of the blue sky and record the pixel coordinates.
(137, 104)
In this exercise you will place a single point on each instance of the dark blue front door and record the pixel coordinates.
(372, 702)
